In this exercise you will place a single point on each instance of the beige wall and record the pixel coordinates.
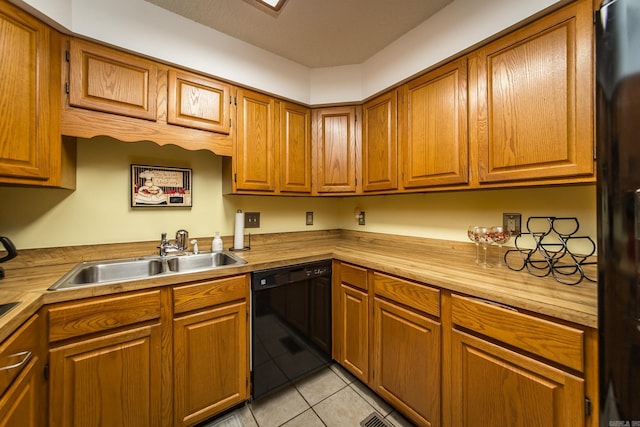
(448, 215)
(99, 210)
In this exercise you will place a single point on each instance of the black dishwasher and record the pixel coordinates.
(290, 324)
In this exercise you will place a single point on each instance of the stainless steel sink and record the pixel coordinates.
(202, 261)
(122, 270)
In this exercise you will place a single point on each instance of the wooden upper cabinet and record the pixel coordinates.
(255, 148)
(533, 114)
(24, 95)
(295, 148)
(132, 99)
(434, 137)
(336, 150)
(380, 143)
(198, 102)
(108, 80)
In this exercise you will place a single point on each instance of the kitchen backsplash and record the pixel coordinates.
(99, 210)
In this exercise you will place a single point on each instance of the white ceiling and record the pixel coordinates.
(314, 33)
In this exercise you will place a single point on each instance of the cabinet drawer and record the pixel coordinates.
(209, 293)
(354, 276)
(414, 295)
(74, 319)
(552, 341)
(17, 350)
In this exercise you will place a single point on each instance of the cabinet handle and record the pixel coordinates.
(26, 355)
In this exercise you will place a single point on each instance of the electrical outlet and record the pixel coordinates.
(361, 218)
(309, 218)
(252, 220)
(512, 222)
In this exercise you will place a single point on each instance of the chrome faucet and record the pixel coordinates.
(181, 243)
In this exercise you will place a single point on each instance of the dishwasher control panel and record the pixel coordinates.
(289, 274)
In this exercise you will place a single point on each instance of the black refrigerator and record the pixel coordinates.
(618, 157)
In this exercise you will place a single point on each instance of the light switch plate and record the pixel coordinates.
(252, 220)
(309, 218)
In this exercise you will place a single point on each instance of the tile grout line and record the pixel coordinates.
(347, 384)
(252, 414)
(312, 407)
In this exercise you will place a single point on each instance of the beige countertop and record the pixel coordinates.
(444, 264)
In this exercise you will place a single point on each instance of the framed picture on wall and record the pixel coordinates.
(160, 186)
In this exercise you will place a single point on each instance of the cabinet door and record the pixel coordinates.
(211, 362)
(21, 404)
(336, 150)
(493, 386)
(354, 334)
(22, 391)
(535, 99)
(24, 95)
(255, 149)
(406, 352)
(198, 102)
(107, 80)
(112, 380)
(380, 142)
(434, 136)
(295, 148)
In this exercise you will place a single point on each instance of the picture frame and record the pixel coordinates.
(160, 187)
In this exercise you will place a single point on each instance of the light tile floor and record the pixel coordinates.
(331, 397)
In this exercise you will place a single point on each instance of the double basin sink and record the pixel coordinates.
(121, 270)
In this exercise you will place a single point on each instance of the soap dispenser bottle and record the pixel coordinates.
(216, 246)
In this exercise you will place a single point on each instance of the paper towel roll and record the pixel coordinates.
(238, 237)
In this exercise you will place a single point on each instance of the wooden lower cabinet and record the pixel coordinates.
(443, 359)
(386, 333)
(510, 367)
(110, 380)
(406, 352)
(170, 356)
(22, 398)
(21, 404)
(354, 310)
(494, 386)
(210, 362)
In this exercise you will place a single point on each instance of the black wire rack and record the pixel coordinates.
(551, 247)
